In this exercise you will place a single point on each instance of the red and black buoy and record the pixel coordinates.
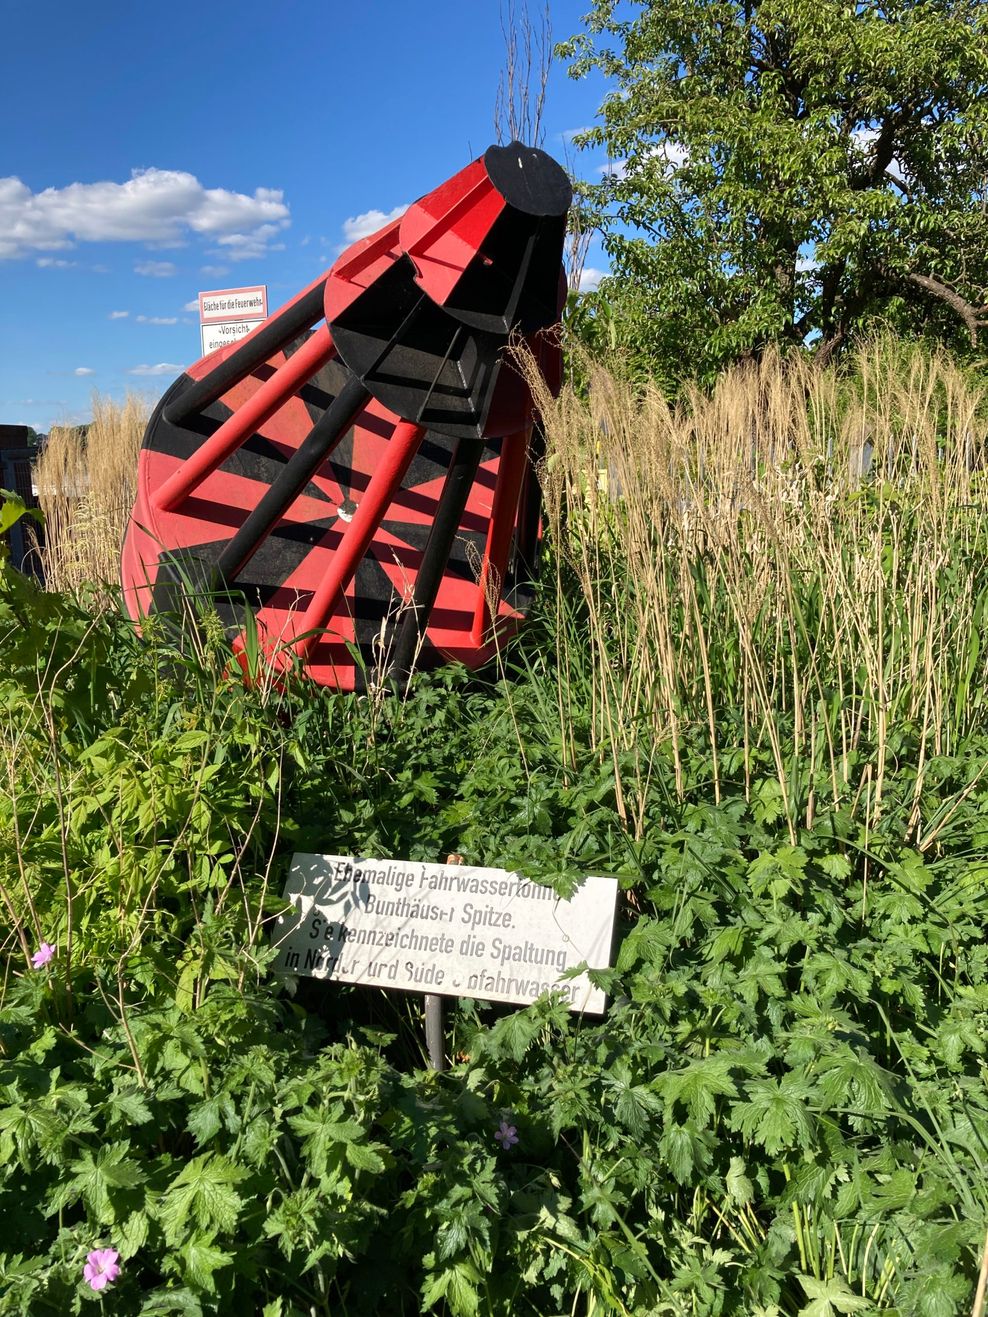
(358, 469)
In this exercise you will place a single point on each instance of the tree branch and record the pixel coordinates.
(974, 317)
(524, 80)
(828, 346)
(903, 188)
(884, 148)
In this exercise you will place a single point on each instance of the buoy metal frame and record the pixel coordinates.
(358, 468)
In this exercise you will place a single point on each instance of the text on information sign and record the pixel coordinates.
(444, 928)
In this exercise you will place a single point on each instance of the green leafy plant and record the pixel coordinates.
(787, 172)
(784, 1109)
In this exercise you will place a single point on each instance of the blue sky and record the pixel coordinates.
(147, 153)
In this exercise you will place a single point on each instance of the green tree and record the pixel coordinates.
(788, 171)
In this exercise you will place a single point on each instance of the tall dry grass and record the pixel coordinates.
(787, 575)
(86, 484)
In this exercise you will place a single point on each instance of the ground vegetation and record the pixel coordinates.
(752, 688)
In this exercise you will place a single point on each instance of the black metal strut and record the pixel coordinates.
(452, 502)
(292, 479)
(275, 336)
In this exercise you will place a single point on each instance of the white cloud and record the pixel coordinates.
(590, 278)
(119, 315)
(362, 226)
(53, 263)
(672, 154)
(162, 368)
(155, 269)
(249, 246)
(192, 305)
(157, 206)
(83, 370)
(157, 320)
(214, 271)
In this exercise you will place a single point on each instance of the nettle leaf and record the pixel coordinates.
(728, 943)
(199, 1261)
(829, 1296)
(162, 1301)
(513, 1035)
(207, 1118)
(739, 1187)
(682, 1149)
(698, 1086)
(775, 1115)
(131, 1235)
(463, 1222)
(458, 1285)
(634, 1106)
(204, 1193)
(365, 1157)
(128, 1106)
(896, 1190)
(25, 1126)
(259, 1140)
(940, 1292)
(94, 1175)
(294, 1221)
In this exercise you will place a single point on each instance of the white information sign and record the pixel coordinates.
(234, 304)
(229, 331)
(443, 928)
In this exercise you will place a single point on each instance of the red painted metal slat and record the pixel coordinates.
(273, 393)
(369, 514)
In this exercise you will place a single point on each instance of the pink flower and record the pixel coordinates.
(506, 1134)
(101, 1268)
(43, 954)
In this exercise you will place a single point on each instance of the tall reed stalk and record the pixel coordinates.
(787, 573)
(86, 484)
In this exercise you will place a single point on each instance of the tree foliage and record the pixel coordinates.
(789, 171)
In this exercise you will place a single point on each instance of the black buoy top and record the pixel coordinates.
(529, 180)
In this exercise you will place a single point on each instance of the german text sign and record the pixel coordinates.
(443, 928)
(233, 304)
(228, 331)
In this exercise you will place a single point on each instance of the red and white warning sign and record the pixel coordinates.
(228, 314)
